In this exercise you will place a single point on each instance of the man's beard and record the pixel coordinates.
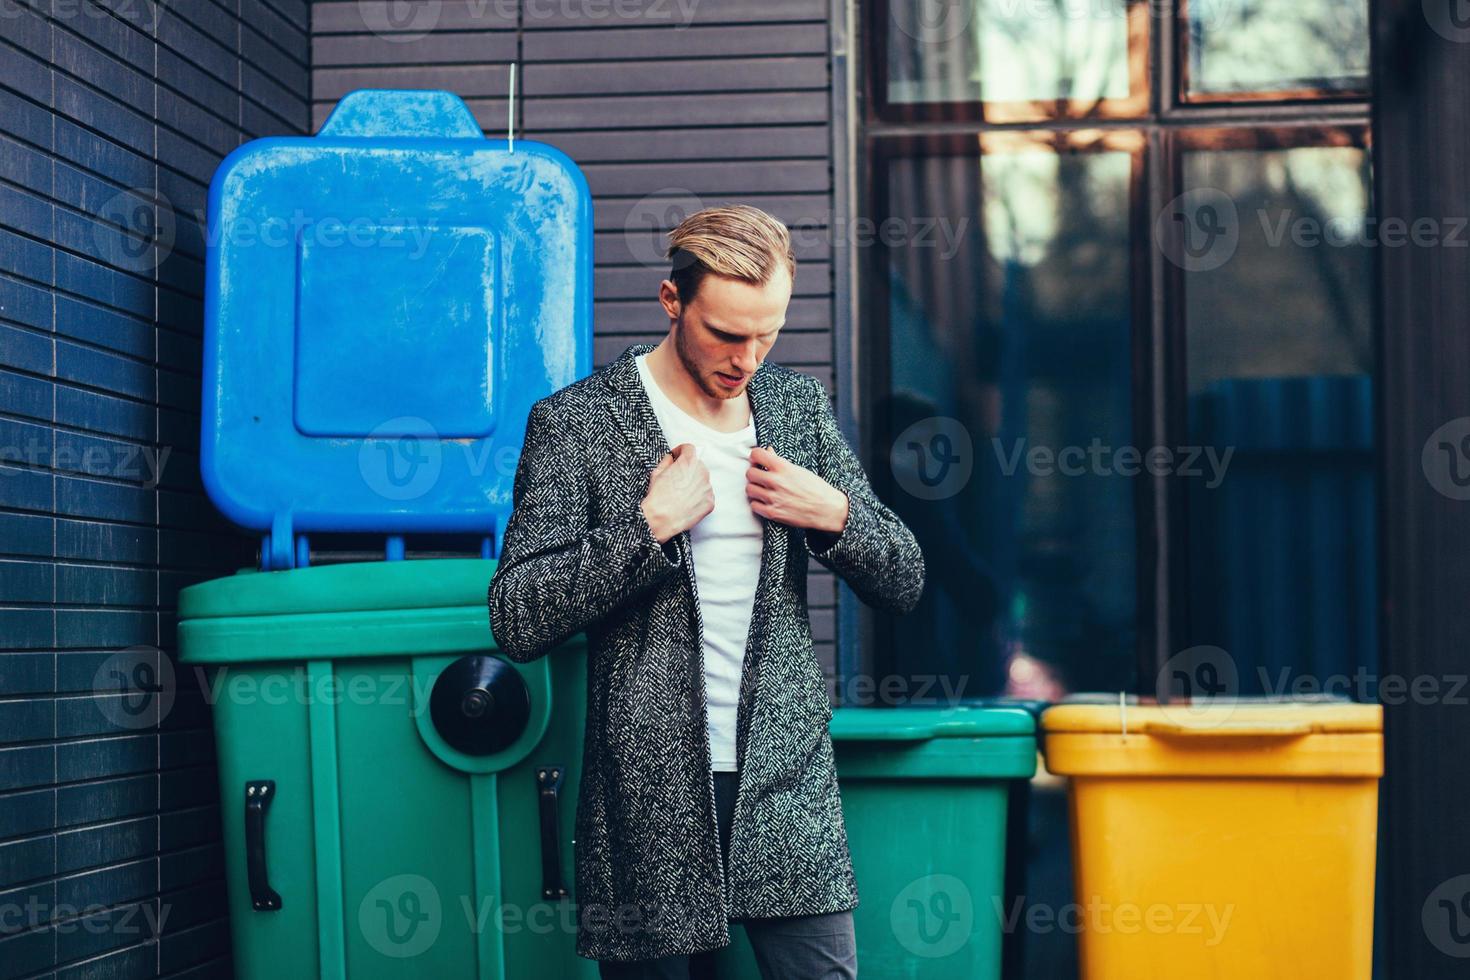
(708, 385)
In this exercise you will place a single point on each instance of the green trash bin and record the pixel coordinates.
(398, 800)
(925, 802)
(924, 798)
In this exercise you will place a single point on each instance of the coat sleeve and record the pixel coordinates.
(875, 553)
(557, 574)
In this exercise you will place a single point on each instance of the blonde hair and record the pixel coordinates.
(735, 241)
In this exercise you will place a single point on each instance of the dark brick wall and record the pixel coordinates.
(113, 117)
(666, 105)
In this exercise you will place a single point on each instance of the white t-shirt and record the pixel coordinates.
(727, 559)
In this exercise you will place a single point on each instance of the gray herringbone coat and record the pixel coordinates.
(578, 556)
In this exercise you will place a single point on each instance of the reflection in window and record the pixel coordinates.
(1020, 332)
(999, 51)
(1280, 356)
(1277, 46)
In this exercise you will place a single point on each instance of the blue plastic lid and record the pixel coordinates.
(383, 304)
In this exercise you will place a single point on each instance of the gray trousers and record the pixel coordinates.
(803, 947)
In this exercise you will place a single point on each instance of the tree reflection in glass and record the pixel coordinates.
(1014, 51)
(1023, 337)
(1273, 47)
(1279, 349)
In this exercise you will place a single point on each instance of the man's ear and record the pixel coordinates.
(668, 297)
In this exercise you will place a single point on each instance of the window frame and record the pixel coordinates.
(1133, 106)
(1183, 96)
(1169, 127)
(1175, 371)
(874, 364)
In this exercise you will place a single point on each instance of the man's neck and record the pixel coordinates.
(675, 381)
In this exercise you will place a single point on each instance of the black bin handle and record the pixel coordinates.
(258, 796)
(548, 792)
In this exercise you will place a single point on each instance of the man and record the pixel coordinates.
(708, 792)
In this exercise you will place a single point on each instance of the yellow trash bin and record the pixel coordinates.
(1228, 839)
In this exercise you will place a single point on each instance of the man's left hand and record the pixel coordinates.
(781, 491)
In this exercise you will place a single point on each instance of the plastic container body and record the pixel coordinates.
(1229, 841)
(392, 853)
(384, 302)
(924, 800)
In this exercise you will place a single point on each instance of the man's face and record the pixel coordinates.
(724, 334)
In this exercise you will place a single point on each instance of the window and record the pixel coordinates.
(1116, 340)
(1278, 353)
(1015, 328)
(1004, 61)
(1273, 49)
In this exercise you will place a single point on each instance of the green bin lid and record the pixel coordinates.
(414, 583)
(918, 723)
(416, 606)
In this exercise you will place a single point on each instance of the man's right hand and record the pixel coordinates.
(679, 494)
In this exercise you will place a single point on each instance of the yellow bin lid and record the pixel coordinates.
(1215, 738)
(1222, 717)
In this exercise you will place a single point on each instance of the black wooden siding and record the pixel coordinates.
(662, 111)
(101, 353)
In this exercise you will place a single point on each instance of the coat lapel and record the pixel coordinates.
(631, 410)
(771, 429)
(633, 414)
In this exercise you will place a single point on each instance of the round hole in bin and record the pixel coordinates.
(480, 705)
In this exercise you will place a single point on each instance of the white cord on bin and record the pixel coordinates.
(1123, 711)
(510, 122)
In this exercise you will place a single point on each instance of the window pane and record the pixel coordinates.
(1003, 51)
(1280, 356)
(1286, 46)
(1006, 348)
